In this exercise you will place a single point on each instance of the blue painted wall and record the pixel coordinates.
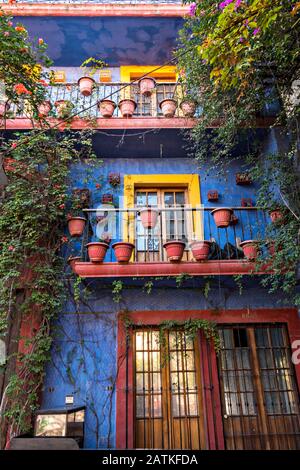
(116, 40)
(230, 194)
(84, 351)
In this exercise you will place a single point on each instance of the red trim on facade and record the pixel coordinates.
(223, 268)
(68, 9)
(124, 123)
(214, 425)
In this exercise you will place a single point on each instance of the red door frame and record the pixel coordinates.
(213, 414)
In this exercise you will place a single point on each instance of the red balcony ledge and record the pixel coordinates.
(205, 268)
(20, 123)
(100, 9)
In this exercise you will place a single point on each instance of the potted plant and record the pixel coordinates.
(188, 107)
(272, 248)
(64, 108)
(107, 198)
(123, 251)
(114, 179)
(4, 107)
(97, 251)
(89, 67)
(250, 249)
(277, 216)
(127, 107)
(76, 225)
(200, 249)
(86, 85)
(243, 179)
(146, 85)
(44, 108)
(148, 217)
(168, 107)
(72, 260)
(174, 249)
(106, 108)
(76, 222)
(212, 195)
(222, 216)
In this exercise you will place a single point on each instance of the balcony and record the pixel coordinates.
(225, 255)
(84, 109)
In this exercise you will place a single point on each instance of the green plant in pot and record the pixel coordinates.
(76, 221)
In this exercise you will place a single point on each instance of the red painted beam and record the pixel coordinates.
(92, 10)
(206, 268)
(123, 123)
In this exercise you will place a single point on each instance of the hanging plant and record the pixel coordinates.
(114, 179)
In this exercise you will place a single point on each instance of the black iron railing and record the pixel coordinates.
(187, 224)
(86, 106)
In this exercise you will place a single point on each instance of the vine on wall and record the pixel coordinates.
(241, 66)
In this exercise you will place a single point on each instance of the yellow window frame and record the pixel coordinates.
(189, 181)
(133, 72)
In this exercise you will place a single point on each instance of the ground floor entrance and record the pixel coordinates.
(180, 394)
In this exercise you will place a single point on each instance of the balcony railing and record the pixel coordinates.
(86, 106)
(187, 224)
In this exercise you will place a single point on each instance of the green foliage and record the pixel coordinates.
(21, 64)
(238, 58)
(117, 288)
(191, 329)
(32, 222)
(92, 65)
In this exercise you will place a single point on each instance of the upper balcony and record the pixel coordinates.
(145, 231)
(67, 106)
(164, 107)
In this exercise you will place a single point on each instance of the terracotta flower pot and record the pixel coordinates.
(200, 249)
(222, 216)
(276, 216)
(97, 251)
(127, 107)
(76, 226)
(123, 251)
(168, 107)
(174, 249)
(146, 85)
(106, 108)
(188, 108)
(272, 247)
(44, 108)
(86, 85)
(72, 260)
(4, 107)
(148, 217)
(250, 249)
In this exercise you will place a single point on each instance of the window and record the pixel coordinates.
(167, 87)
(173, 222)
(167, 391)
(258, 389)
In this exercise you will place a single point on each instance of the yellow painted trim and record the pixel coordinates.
(131, 72)
(189, 181)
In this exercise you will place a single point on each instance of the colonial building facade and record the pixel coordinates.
(123, 351)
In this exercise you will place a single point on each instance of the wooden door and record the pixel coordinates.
(173, 222)
(259, 393)
(168, 395)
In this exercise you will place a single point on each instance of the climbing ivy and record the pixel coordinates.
(239, 61)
